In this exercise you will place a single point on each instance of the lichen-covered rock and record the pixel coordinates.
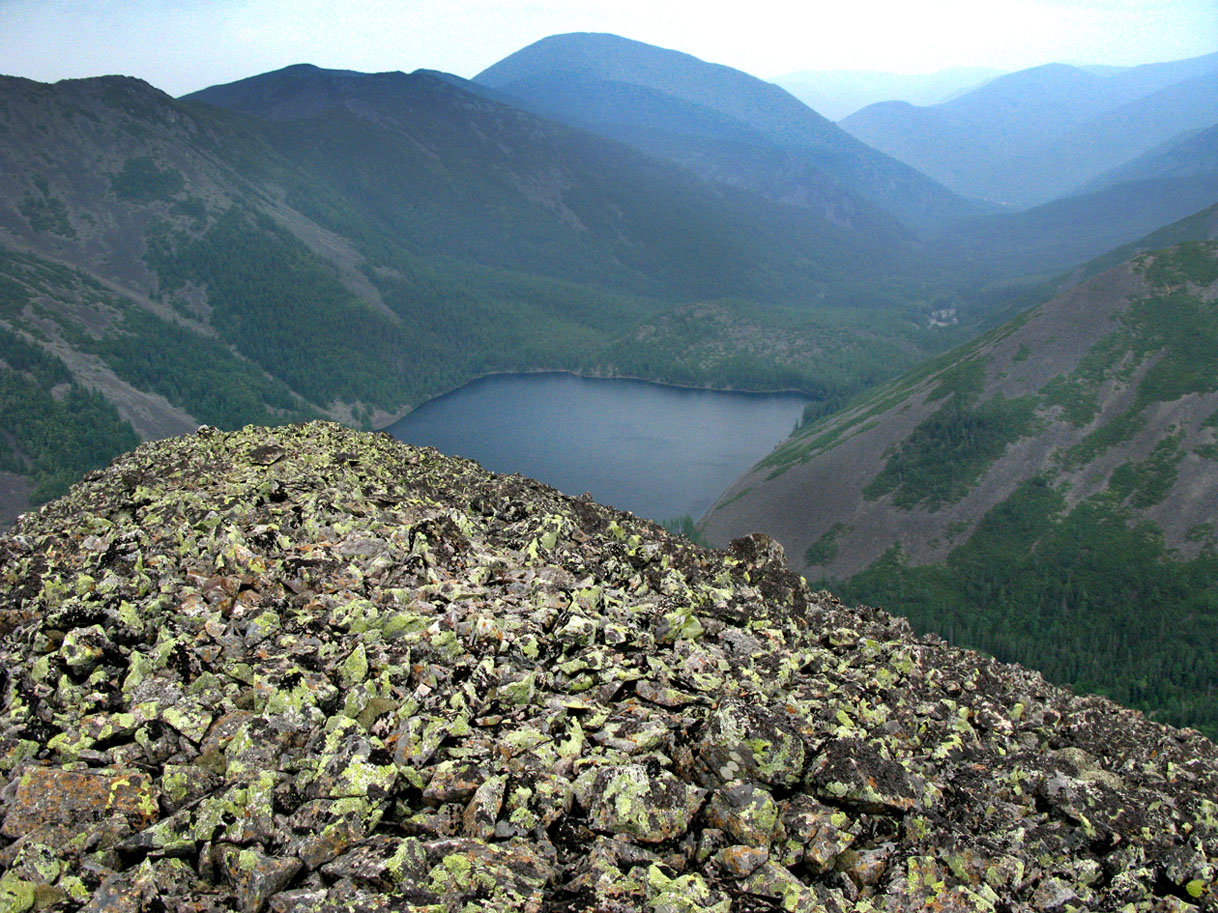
(307, 669)
(52, 805)
(744, 740)
(255, 876)
(855, 773)
(745, 812)
(652, 806)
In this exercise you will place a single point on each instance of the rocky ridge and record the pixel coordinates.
(310, 669)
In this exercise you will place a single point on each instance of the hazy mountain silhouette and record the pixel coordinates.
(838, 93)
(715, 119)
(1195, 154)
(1035, 135)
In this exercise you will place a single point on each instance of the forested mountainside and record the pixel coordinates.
(613, 214)
(329, 243)
(307, 669)
(1046, 492)
(371, 240)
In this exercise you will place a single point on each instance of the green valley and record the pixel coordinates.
(322, 243)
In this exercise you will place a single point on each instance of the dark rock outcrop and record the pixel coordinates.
(308, 669)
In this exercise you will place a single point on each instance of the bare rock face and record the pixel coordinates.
(306, 669)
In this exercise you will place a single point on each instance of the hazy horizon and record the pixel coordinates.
(184, 45)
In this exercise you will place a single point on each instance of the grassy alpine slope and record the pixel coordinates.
(1046, 492)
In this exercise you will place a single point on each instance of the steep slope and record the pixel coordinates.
(839, 93)
(96, 168)
(1035, 135)
(1076, 229)
(1192, 155)
(307, 669)
(364, 242)
(1032, 491)
(715, 120)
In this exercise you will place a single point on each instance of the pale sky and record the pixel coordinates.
(183, 45)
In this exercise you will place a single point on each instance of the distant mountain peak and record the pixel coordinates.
(1035, 135)
(297, 91)
(591, 44)
(559, 75)
(614, 57)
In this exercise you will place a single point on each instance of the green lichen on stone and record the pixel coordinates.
(16, 895)
(683, 894)
(355, 667)
(326, 671)
(648, 806)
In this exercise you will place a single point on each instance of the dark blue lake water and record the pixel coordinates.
(660, 452)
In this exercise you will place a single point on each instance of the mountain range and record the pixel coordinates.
(1029, 137)
(720, 122)
(317, 242)
(312, 242)
(734, 129)
(1003, 311)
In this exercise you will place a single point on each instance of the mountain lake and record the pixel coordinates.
(661, 452)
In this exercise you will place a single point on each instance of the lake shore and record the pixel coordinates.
(658, 450)
(382, 424)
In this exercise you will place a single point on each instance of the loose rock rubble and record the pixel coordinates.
(307, 669)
